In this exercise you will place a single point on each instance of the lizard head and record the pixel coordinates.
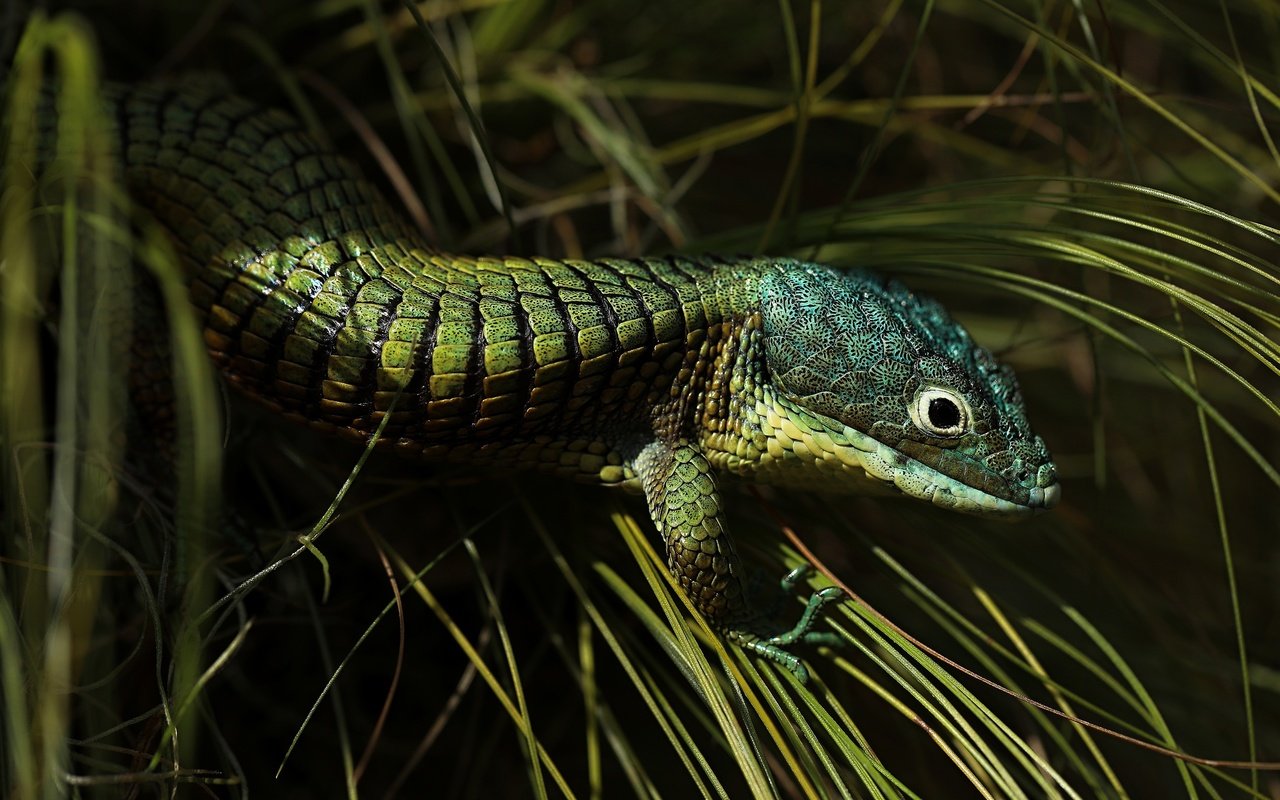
(883, 382)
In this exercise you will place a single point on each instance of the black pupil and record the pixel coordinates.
(943, 413)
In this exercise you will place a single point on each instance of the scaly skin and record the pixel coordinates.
(661, 374)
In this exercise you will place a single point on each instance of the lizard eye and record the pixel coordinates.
(940, 412)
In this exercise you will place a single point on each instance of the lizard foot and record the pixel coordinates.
(775, 647)
(679, 484)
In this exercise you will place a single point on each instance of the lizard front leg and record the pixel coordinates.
(679, 484)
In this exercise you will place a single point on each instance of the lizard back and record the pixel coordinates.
(322, 302)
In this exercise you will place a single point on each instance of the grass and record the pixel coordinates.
(1090, 188)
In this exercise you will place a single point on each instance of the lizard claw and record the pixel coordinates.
(775, 647)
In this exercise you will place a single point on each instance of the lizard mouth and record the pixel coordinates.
(914, 478)
(965, 498)
(846, 457)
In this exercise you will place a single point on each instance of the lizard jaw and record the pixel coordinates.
(846, 459)
(882, 463)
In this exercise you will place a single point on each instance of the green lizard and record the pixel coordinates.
(666, 375)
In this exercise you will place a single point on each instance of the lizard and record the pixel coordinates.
(664, 375)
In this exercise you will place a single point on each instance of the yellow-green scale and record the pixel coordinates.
(322, 302)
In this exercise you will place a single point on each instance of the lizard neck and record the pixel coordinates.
(723, 323)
